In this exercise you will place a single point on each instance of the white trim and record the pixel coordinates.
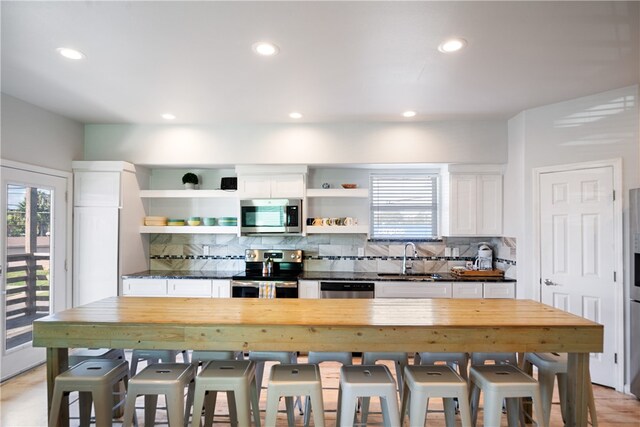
(103, 166)
(616, 165)
(34, 168)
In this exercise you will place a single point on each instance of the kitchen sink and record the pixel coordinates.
(410, 276)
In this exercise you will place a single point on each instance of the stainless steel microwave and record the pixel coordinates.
(271, 216)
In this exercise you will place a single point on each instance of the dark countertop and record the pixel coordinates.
(307, 275)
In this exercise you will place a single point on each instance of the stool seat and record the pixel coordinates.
(94, 380)
(169, 379)
(237, 378)
(424, 382)
(367, 381)
(294, 380)
(460, 360)
(155, 356)
(499, 382)
(78, 355)
(550, 366)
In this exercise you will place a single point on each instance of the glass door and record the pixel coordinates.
(33, 261)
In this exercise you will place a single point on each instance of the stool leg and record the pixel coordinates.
(348, 408)
(55, 407)
(405, 401)
(254, 402)
(272, 408)
(390, 411)
(150, 407)
(465, 409)
(233, 410)
(102, 403)
(84, 402)
(288, 401)
(241, 405)
(492, 409)
(190, 392)
(513, 411)
(129, 409)
(537, 409)
(307, 410)
(210, 398)
(449, 411)
(417, 408)
(175, 408)
(316, 401)
(198, 403)
(546, 380)
(259, 374)
(474, 402)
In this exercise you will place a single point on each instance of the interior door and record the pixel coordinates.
(33, 283)
(577, 253)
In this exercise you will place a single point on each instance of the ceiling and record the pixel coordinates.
(338, 61)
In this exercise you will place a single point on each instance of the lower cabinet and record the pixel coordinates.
(500, 290)
(192, 288)
(467, 290)
(413, 290)
(309, 289)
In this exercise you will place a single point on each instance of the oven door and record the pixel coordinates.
(264, 289)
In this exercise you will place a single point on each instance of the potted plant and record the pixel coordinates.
(190, 180)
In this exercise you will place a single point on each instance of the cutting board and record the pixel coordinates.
(478, 273)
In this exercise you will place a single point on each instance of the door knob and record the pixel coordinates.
(550, 283)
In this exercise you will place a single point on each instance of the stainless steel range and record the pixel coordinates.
(269, 273)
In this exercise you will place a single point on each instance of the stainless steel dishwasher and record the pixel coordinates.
(346, 289)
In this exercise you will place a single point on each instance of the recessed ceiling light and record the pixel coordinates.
(452, 45)
(70, 53)
(168, 116)
(265, 48)
(295, 115)
(409, 114)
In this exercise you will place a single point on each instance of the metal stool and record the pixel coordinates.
(283, 357)
(424, 382)
(497, 358)
(317, 357)
(155, 356)
(94, 380)
(78, 355)
(169, 379)
(294, 380)
(367, 381)
(549, 366)
(500, 382)
(237, 378)
(454, 360)
(401, 361)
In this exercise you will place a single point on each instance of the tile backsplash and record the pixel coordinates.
(324, 252)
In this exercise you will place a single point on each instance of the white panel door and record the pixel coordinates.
(577, 253)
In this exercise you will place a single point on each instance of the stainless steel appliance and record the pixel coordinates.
(346, 289)
(634, 293)
(269, 273)
(270, 216)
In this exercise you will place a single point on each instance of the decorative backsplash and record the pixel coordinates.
(324, 252)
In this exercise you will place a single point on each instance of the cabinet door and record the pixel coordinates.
(489, 210)
(412, 290)
(96, 188)
(287, 186)
(189, 288)
(145, 287)
(221, 289)
(467, 289)
(95, 254)
(254, 187)
(309, 289)
(463, 202)
(500, 290)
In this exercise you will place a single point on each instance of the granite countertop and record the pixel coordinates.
(308, 275)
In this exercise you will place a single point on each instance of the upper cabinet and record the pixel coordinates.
(271, 186)
(472, 204)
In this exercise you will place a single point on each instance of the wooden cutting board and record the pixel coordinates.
(478, 273)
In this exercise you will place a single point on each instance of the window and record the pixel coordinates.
(404, 207)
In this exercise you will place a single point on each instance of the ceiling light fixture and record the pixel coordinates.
(408, 114)
(265, 48)
(70, 53)
(168, 116)
(452, 45)
(295, 115)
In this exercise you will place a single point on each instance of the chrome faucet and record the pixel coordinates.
(406, 267)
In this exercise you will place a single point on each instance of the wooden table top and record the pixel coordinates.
(329, 325)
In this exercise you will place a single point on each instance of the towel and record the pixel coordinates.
(267, 290)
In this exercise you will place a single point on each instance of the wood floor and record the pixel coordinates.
(23, 404)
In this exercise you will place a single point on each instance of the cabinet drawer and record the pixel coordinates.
(144, 287)
(308, 289)
(221, 288)
(500, 290)
(467, 290)
(189, 288)
(412, 290)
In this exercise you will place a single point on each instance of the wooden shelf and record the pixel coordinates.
(338, 192)
(337, 229)
(186, 229)
(188, 194)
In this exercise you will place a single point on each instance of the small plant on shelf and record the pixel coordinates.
(190, 180)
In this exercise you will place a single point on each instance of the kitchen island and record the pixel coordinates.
(409, 325)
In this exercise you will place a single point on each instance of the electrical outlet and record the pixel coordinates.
(360, 251)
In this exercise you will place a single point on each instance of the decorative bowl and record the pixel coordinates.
(349, 185)
(209, 221)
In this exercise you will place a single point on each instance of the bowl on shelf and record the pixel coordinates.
(228, 221)
(175, 221)
(209, 221)
(194, 220)
(349, 185)
(155, 220)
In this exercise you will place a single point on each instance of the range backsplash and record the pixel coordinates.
(322, 252)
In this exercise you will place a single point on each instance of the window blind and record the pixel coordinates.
(404, 206)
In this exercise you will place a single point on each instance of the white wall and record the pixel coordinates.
(311, 144)
(39, 137)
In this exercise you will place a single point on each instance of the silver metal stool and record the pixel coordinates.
(317, 357)
(155, 356)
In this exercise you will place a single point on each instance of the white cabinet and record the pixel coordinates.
(500, 290)
(473, 205)
(189, 288)
(271, 186)
(407, 289)
(309, 289)
(107, 216)
(467, 289)
(144, 287)
(221, 288)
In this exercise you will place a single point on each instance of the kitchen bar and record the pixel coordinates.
(421, 325)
